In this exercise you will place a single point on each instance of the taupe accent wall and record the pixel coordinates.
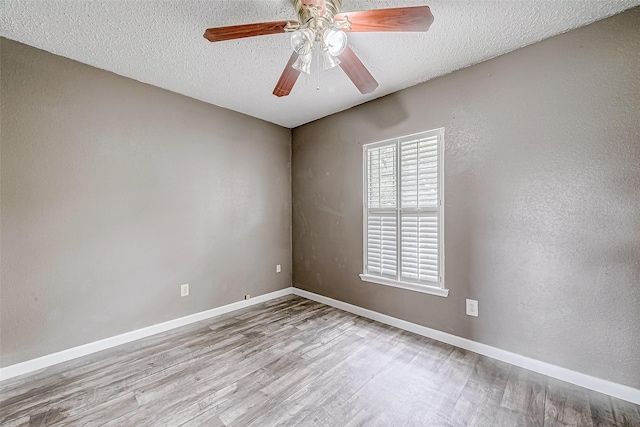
(542, 200)
(114, 193)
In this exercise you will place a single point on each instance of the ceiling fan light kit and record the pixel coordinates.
(328, 61)
(334, 41)
(302, 41)
(303, 63)
(320, 24)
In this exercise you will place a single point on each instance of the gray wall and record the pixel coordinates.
(542, 200)
(114, 193)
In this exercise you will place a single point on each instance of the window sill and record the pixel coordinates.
(426, 289)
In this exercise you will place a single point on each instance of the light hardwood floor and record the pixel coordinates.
(295, 362)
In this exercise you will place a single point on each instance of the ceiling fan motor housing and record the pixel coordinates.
(318, 16)
(328, 8)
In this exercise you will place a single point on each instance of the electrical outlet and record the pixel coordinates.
(278, 268)
(472, 308)
(247, 296)
(184, 290)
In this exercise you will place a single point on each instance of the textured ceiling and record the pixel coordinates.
(161, 43)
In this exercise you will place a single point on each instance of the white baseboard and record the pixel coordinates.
(620, 391)
(93, 347)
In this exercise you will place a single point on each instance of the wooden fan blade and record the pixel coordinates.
(247, 30)
(288, 78)
(357, 72)
(417, 18)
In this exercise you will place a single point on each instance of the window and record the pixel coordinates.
(403, 221)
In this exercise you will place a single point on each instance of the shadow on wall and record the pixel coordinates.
(392, 115)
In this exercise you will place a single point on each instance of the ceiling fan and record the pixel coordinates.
(321, 24)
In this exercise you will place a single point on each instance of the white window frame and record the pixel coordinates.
(429, 287)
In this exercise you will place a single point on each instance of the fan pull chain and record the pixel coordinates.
(317, 67)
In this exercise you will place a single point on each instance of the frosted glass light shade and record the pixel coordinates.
(303, 63)
(335, 40)
(302, 41)
(328, 61)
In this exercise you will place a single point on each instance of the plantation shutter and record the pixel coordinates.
(382, 245)
(402, 211)
(382, 233)
(419, 207)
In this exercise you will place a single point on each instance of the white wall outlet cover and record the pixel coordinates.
(184, 290)
(472, 307)
(278, 268)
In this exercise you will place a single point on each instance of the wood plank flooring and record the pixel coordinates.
(295, 362)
